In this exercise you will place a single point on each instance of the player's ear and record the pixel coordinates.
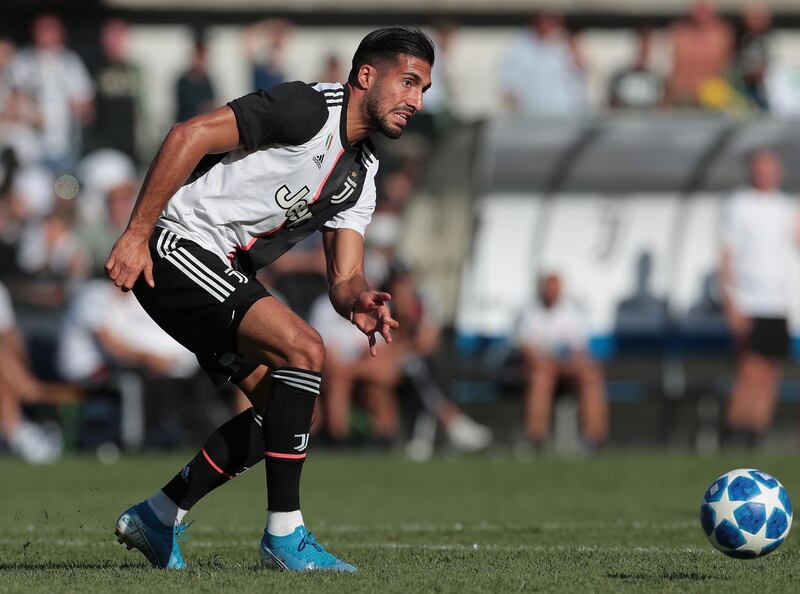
(367, 75)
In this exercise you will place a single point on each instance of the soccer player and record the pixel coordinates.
(228, 193)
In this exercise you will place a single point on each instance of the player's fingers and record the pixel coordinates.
(386, 333)
(386, 318)
(113, 272)
(373, 349)
(109, 265)
(148, 275)
(130, 280)
(383, 296)
(117, 276)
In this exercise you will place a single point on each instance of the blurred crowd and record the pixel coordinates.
(72, 157)
(715, 64)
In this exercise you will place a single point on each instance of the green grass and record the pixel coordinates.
(617, 522)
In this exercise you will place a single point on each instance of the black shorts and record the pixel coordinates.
(200, 301)
(769, 337)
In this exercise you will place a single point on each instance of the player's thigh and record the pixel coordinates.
(273, 334)
(199, 300)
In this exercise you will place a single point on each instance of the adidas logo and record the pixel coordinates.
(318, 160)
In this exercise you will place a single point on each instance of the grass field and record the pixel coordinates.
(617, 522)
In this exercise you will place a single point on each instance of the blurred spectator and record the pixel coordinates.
(352, 374)
(541, 71)
(195, 93)
(414, 343)
(51, 256)
(99, 172)
(332, 70)
(752, 53)
(119, 86)
(349, 369)
(19, 128)
(702, 48)
(553, 338)
(18, 386)
(106, 329)
(760, 232)
(117, 186)
(32, 195)
(57, 81)
(439, 98)
(107, 344)
(19, 118)
(264, 45)
(637, 86)
(7, 51)
(437, 114)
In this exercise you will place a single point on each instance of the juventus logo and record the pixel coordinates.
(349, 188)
(303, 441)
(241, 278)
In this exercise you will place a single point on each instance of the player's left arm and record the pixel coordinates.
(349, 290)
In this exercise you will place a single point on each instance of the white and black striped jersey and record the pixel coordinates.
(295, 174)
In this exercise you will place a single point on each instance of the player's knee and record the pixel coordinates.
(308, 352)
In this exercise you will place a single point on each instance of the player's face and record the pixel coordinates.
(397, 94)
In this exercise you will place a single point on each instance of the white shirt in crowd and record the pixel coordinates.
(557, 331)
(340, 335)
(53, 80)
(100, 305)
(543, 76)
(759, 230)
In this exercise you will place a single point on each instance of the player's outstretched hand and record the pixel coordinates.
(371, 315)
(129, 258)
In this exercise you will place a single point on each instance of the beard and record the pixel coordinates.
(378, 120)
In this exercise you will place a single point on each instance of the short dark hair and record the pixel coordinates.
(387, 44)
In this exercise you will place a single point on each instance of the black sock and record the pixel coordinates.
(233, 448)
(287, 422)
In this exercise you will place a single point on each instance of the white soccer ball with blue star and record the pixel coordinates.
(746, 513)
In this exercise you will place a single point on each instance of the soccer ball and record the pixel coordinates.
(746, 513)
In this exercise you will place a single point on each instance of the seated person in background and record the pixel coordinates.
(18, 386)
(553, 339)
(348, 366)
(637, 86)
(105, 329)
(105, 332)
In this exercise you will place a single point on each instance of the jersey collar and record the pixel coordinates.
(349, 148)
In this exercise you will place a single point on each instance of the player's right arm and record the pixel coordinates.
(181, 151)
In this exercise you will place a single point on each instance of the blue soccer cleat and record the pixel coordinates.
(139, 528)
(299, 552)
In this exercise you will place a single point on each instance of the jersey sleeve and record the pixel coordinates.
(358, 216)
(288, 113)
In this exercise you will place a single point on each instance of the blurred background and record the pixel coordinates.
(591, 231)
